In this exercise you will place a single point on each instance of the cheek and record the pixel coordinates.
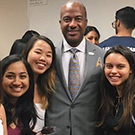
(107, 72)
(31, 58)
(64, 27)
(126, 74)
(5, 83)
(5, 86)
(50, 61)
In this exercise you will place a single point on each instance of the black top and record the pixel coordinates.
(113, 120)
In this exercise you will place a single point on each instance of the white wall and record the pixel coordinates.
(101, 14)
(17, 16)
(13, 23)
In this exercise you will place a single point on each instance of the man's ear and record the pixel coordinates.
(60, 23)
(86, 22)
(118, 23)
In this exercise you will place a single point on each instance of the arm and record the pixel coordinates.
(3, 117)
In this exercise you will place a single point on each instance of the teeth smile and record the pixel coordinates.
(114, 77)
(16, 89)
(42, 65)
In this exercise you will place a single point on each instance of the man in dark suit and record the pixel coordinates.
(78, 115)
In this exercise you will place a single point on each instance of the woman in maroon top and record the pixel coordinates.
(17, 83)
(3, 124)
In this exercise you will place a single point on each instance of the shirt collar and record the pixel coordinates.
(80, 47)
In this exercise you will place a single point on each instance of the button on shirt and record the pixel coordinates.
(67, 55)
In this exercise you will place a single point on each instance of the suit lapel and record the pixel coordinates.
(90, 61)
(89, 64)
(59, 68)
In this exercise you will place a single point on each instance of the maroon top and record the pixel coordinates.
(15, 131)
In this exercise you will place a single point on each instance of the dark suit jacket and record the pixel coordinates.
(77, 117)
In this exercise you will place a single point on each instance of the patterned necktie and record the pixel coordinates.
(74, 74)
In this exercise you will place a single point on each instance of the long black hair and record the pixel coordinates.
(45, 81)
(24, 108)
(108, 92)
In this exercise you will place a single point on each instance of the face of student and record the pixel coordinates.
(92, 36)
(73, 23)
(117, 69)
(15, 80)
(40, 57)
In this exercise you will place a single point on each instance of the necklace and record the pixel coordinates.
(116, 106)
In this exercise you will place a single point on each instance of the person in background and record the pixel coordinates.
(19, 44)
(124, 25)
(74, 111)
(117, 110)
(18, 86)
(40, 54)
(92, 34)
(3, 123)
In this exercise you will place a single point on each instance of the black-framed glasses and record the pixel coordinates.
(113, 24)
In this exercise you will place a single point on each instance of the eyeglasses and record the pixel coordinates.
(113, 24)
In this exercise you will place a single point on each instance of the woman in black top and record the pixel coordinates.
(117, 90)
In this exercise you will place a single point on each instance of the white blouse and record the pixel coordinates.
(40, 121)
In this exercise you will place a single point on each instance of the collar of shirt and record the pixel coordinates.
(80, 47)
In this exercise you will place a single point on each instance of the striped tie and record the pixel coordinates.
(74, 74)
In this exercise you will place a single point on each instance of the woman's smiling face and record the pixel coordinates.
(40, 57)
(15, 80)
(117, 69)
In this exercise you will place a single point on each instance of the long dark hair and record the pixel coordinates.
(128, 91)
(1, 91)
(45, 81)
(24, 108)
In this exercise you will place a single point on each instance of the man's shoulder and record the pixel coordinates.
(114, 40)
(127, 41)
(58, 45)
(106, 42)
(111, 41)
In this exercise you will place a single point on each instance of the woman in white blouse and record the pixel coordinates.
(40, 54)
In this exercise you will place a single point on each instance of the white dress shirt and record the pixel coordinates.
(67, 55)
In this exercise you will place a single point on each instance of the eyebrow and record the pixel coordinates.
(73, 17)
(116, 64)
(38, 49)
(19, 73)
(50, 52)
(42, 50)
